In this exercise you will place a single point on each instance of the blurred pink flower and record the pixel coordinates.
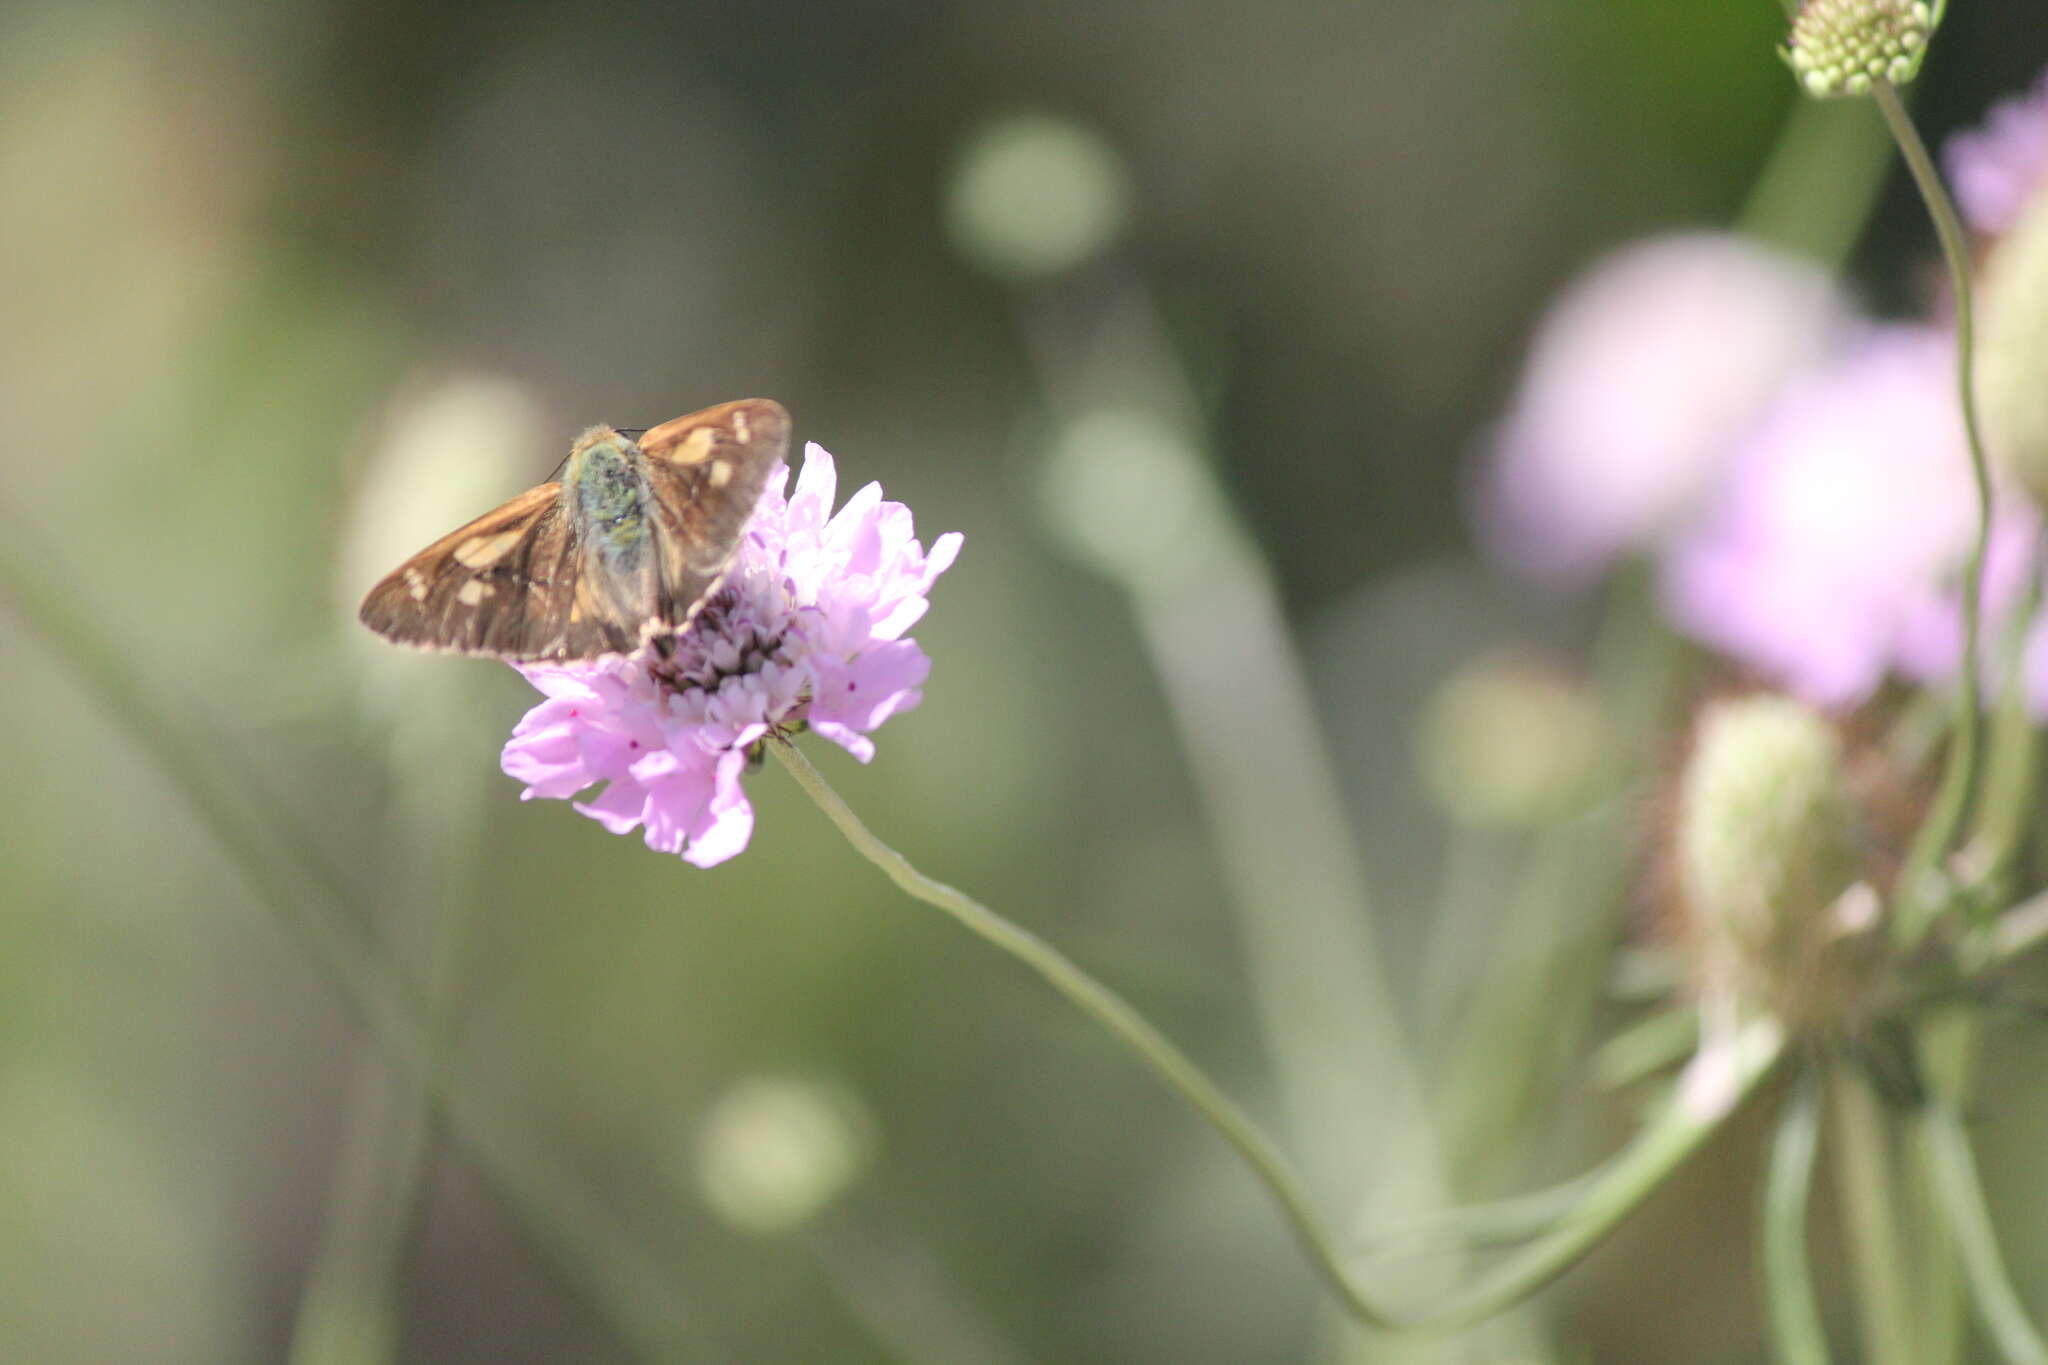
(1998, 166)
(1833, 556)
(807, 626)
(1641, 377)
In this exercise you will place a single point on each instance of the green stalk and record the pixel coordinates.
(1823, 141)
(351, 1304)
(1511, 1221)
(1797, 1337)
(1618, 1189)
(1866, 1179)
(1953, 1171)
(298, 887)
(1947, 1043)
(1937, 835)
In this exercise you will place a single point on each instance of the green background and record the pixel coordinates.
(239, 244)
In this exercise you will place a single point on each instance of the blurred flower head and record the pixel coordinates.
(1834, 553)
(1507, 741)
(1997, 167)
(1769, 851)
(1639, 380)
(774, 1151)
(806, 628)
(1034, 195)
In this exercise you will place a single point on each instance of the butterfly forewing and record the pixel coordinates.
(629, 543)
(706, 473)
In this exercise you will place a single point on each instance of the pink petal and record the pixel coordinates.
(619, 807)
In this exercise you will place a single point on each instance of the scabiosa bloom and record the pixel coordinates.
(1834, 555)
(806, 627)
(1641, 376)
(1998, 167)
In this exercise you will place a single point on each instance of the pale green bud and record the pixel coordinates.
(1508, 742)
(2012, 351)
(1034, 195)
(1769, 852)
(1844, 47)
(774, 1151)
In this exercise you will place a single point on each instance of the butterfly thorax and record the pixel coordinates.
(608, 499)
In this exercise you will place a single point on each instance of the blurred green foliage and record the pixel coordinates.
(236, 241)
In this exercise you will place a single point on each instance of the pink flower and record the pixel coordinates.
(807, 626)
(1833, 556)
(1998, 167)
(1642, 375)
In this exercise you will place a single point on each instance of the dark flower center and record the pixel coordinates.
(727, 638)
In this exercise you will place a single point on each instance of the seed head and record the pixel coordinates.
(1844, 47)
(1769, 851)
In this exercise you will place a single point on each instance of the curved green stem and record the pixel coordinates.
(1953, 1171)
(1612, 1194)
(1511, 1221)
(1937, 834)
(1797, 1337)
(1738, 1065)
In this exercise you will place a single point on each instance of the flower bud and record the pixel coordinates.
(1035, 195)
(2012, 351)
(1508, 742)
(1769, 845)
(1843, 47)
(775, 1151)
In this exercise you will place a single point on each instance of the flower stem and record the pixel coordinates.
(1246, 719)
(1107, 1008)
(1961, 1197)
(1947, 1045)
(1866, 1180)
(1796, 1334)
(1938, 833)
(1829, 140)
(1615, 1192)
(351, 1302)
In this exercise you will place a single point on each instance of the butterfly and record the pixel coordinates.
(623, 547)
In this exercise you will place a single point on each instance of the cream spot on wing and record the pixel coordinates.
(473, 592)
(479, 552)
(740, 426)
(415, 585)
(694, 447)
(721, 473)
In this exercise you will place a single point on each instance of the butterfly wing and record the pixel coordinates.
(705, 473)
(509, 584)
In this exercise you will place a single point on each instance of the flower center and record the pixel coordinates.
(732, 635)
